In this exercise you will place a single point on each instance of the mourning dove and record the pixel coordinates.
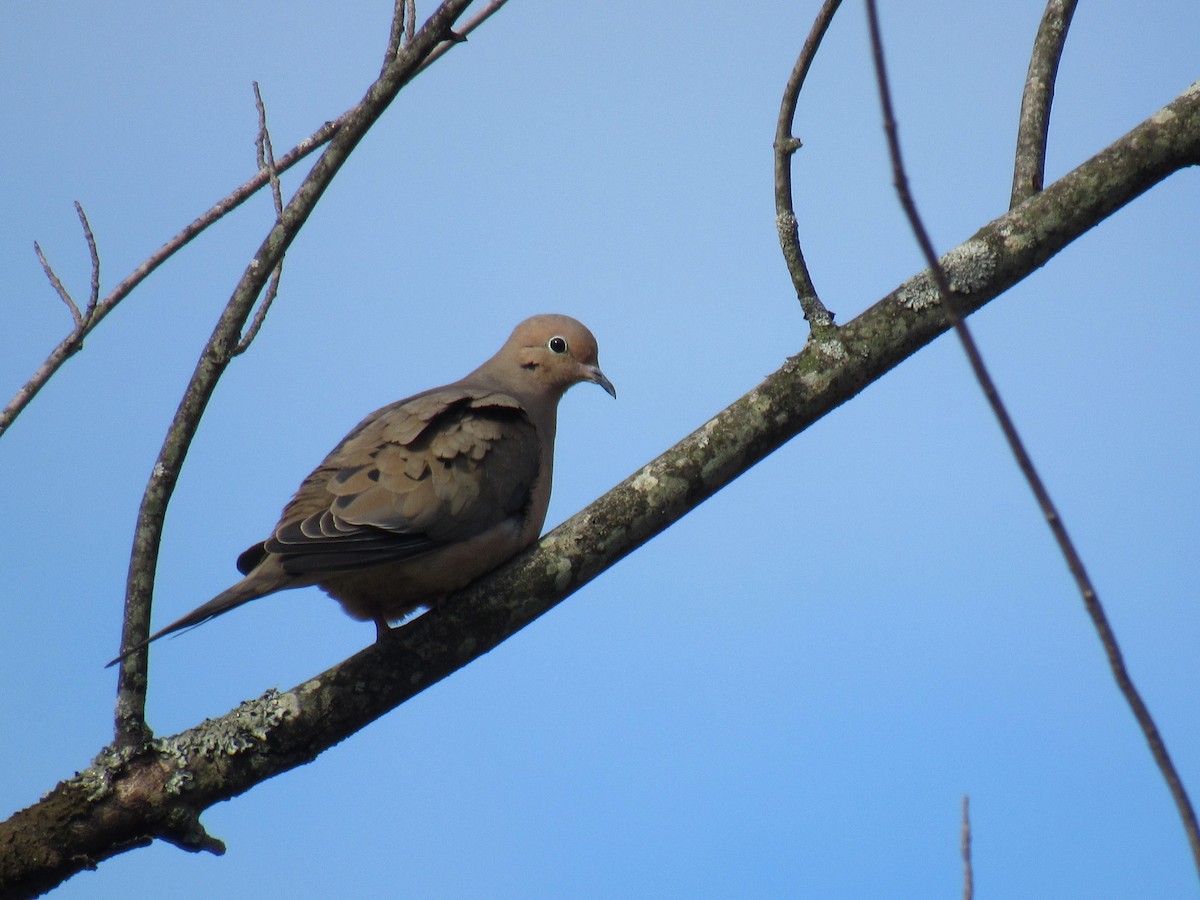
(429, 493)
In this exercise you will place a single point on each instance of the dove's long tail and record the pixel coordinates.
(256, 584)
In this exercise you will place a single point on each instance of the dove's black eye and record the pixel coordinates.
(557, 344)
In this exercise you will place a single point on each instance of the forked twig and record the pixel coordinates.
(1029, 167)
(786, 144)
(71, 344)
(1073, 560)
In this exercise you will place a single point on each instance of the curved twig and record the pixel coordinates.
(130, 722)
(1058, 528)
(1029, 168)
(786, 144)
(94, 254)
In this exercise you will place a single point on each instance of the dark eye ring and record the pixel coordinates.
(557, 344)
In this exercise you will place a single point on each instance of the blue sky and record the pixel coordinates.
(788, 692)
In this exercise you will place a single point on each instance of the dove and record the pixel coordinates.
(427, 494)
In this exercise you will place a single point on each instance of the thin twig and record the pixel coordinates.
(395, 34)
(266, 160)
(410, 19)
(1029, 169)
(786, 144)
(60, 289)
(94, 253)
(968, 871)
(1073, 560)
(130, 721)
(260, 314)
(265, 152)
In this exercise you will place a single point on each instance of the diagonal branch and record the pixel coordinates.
(786, 144)
(130, 722)
(127, 798)
(1029, 170)
(60, 289)
(1091, 599)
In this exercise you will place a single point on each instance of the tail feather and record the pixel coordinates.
(249, 588)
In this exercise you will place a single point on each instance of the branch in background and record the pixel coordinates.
(1066, 546)
(965, 849)
(128, 798)
(1029, 170)
(56, 283)
(266, 161)
(395, 34)
(81, 318)
(786, 144)
(130, 722)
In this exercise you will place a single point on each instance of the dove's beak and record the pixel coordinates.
(595, 376)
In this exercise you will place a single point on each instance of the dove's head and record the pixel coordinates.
(550, 353)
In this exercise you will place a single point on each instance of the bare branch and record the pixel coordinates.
(965, 846)
(266, 160)
(410, 18)
(260, 314)
(94, 253)
(59, 289)
(786, 144)
(395, 35)
(1029, 170)
(266, 153)
(130, 724)
(1058, 528)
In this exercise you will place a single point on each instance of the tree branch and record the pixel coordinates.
(1070, 554)
(1029, 169)
(266, 160)
(130, 724)
(965, 850)
(820, 320)
(127, 798)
